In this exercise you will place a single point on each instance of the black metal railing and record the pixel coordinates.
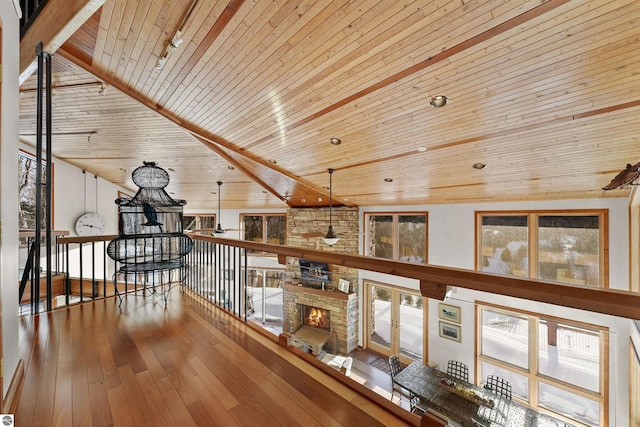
(31, 272)
(219, 273)
(30, 11)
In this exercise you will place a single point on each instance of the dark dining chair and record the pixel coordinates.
(395, 367)
(499, 386)
(458, 370)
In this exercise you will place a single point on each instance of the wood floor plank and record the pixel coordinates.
(179, 412)
(120, 406)
(100, 409)
(183, 364)
(223, 396)
(214, 406)
(158, 409)
(73, 364)
(109, 368)
(132, 392)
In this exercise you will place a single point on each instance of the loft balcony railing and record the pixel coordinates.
(30, 11)
(246, 280)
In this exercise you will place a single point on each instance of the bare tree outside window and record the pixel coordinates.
(27, 192)
(566, 246)
(397, 236)
(264, 228)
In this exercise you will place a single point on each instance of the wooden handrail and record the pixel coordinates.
(87, 239)
(32, 233)
(436, 280)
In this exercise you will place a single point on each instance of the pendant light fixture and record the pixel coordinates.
(330, 238)
(219, 229)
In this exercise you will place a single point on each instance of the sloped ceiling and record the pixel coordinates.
(544, 93)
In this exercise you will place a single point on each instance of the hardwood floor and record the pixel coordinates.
(188, 364)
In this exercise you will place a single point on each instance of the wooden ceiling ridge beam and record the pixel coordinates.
(58, 20)
(424, 64)
(216, 29)
(212, 145)
(302, 187)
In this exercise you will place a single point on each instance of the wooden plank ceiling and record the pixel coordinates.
(546, 94)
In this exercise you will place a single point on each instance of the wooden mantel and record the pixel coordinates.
(336, 294)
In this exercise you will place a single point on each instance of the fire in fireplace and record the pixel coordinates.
(315, 317)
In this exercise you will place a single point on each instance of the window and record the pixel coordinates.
(264, 228)
(566, 247)
(199, 222)
(27, 192)
(400, 237)
(552, 364)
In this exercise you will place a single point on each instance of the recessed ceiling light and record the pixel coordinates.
(421, 149)
(439, 101)
(479, 165)
(388, 180)
(335, 141)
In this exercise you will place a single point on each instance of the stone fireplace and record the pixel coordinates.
(340, 334)
(342, 308)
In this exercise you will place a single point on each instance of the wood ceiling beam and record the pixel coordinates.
(281, 184)
(58, 20)
(227, 14)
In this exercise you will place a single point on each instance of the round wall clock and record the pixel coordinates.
(90, 224)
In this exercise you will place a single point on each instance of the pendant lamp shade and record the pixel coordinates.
(219, 229)
(330, 238)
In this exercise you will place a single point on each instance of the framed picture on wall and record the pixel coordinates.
(343, 285)
(448, 312)
(450, 331)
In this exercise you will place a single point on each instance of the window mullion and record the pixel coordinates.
(264, 229)
(396, 237)
(533, 245)
(534, 352)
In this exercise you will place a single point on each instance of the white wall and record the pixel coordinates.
(70, 201)
(451, 243)
(75, 193)
(9, 21)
